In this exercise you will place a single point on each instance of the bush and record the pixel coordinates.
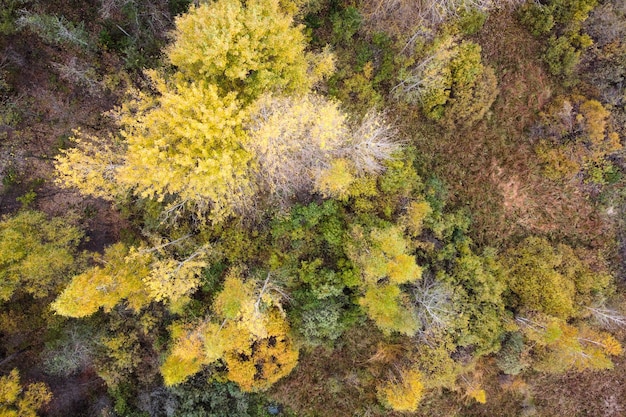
(561, 56)
(71, 353)
(449, 82)
(563, 19)
(471, 21)
(56, 30)
(576, 138)
(509, 359)
(202, 397)
(537, 18)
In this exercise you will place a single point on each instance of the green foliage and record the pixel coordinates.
(447, 79)
(215, 399)
(477, 286)
(561, 56)
(8, 15)
(137, 30)
(509, 358)
(551, 280)
(71, 352)
(56, 30)
(322, 322)
(345, 24)
(10, 111)
(125, 350)
(564, 19)
(36, 254)
(537, 17)
(471, 21)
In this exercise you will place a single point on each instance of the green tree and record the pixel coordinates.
(449, 82)
(551, 280)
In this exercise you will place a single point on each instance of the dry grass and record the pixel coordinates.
(491, 169)
(404, 18)
(341, 382)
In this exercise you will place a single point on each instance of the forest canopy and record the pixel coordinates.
(313, 207)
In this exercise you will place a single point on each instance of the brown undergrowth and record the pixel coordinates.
(342, 381)
(491, 168)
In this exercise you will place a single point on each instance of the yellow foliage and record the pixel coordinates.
(229, 301)
(174, 280)
(535, 276)
(294, 140)
(335, 181)
(388, 309)
(251, 337)
(577, 139)
(611, 345)
(194, 137)
(323, 65)
(249, 47)
(566, 347)
(91, 165)
(383, 254)
(36, 253)
(10, 387)
(404, 393)
(120, 277)
(187, 356)
(382, 258)
(416, 212)
(224, 338)
(17, 400)
(176, 369)
(477, 394)
(272, 358)
(402, 269)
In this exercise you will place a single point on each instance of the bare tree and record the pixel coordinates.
(433, 304)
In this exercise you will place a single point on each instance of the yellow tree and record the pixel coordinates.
(382, 257)
(116, 277)
(246, 47)
(306, 143)
(226, 54)
(250, 336)
(36, 253)
(17, 400)
(559, 346)
(576, 137)
(402, 392)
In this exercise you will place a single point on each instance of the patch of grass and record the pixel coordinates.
(11, 177)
